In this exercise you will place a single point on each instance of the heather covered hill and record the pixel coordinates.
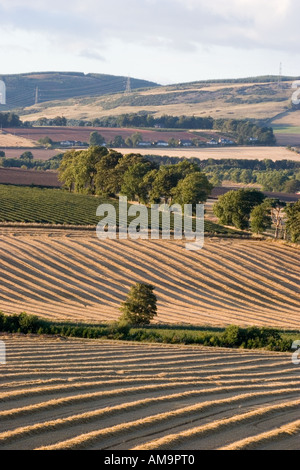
(263, 101)
(24, 89)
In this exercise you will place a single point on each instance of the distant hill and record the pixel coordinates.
(24, 89)
(259, 79)
(80, 97)
(260, 98)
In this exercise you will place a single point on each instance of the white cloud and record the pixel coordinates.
(92, 54)
(241, 23)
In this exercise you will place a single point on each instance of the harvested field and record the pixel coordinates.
(288, 139)
(58, 134)
(15, 140)
(71, 275)
(100, 395)
(287, 119)
(242, 153)
(38, 154)
(29, 177)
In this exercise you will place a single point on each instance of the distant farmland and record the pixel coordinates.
(243, 153)
(29, 177)
(38, 154)
(15, 140)
(287, 138)
(58, 134)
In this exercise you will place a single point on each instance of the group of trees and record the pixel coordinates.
(13, 120)
(244, 130)
(249, 209)
(10, 120)
(57, 121)
(118, 141)
(241, 129)
(286, 181)
(165, 121)
(27, 161)
(234, 208)
(46, 142)
(278, 176)
(108, 173)
(148, 120)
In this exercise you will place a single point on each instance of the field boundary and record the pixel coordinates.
(232, 337)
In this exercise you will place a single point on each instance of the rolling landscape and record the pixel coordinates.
(23, 90)
(214, 368)
(258, 98)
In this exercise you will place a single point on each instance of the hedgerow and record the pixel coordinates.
(231, 337)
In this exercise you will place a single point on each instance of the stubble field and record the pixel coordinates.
(95, 395)
(13, 140)
(71, 275)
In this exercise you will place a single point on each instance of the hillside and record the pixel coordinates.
(23, 89)
(257, 100)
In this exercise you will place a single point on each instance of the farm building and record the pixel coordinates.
(145, 144)
(212, 142)
(226, 142)
(161, 143)
(186, 143)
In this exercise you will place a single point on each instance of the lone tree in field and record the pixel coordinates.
(140, 305)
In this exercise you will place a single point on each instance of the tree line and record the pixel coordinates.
(229, 163)
(278, 176)
(230, 337)
(108, 173)
(27, 162)
(249, 209)
(244, 131)
(286, 181)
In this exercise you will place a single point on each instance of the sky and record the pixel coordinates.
(165, 41)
